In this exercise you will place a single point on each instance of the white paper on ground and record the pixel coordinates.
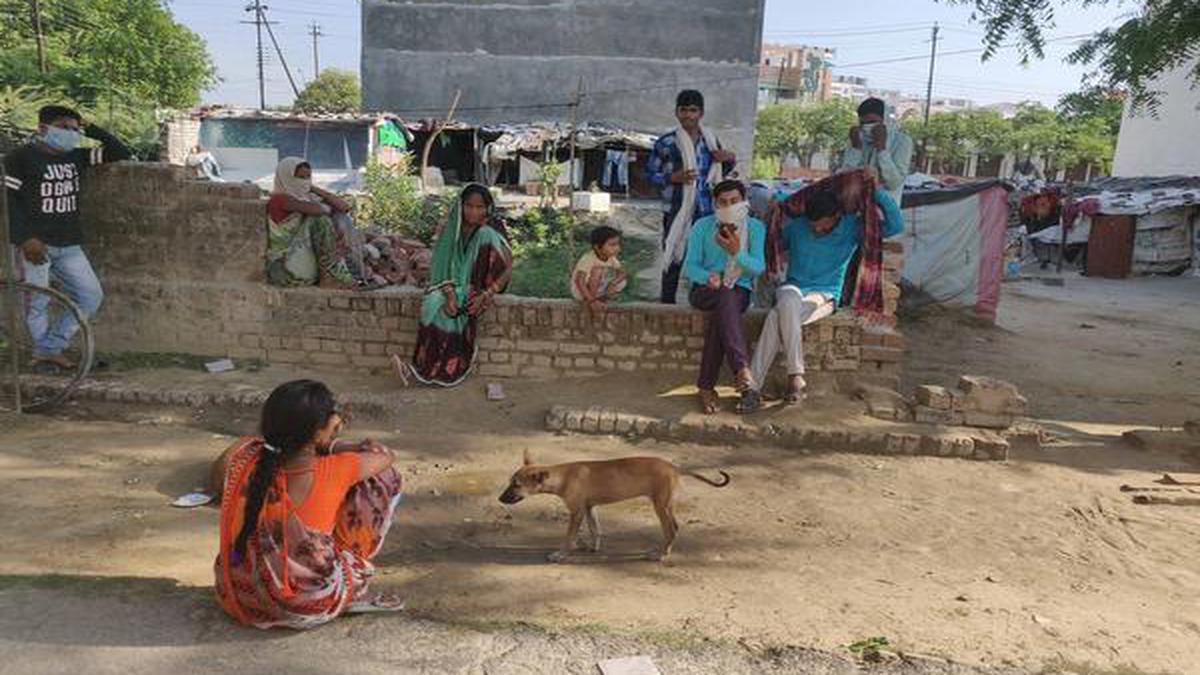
(495, 391)
(629, 665)
(219, 366)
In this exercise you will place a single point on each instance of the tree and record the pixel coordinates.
(787, 129)
(1163, 36)
(333, 91)
(1094, 103)
(116, 52)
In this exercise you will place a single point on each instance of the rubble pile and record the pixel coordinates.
(397, 260)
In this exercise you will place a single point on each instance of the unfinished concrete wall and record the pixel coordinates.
(510, 56)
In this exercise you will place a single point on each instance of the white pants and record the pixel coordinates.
(784, 329)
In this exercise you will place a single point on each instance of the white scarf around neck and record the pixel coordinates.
(681, 226)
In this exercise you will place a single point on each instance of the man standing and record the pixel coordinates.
(44, 178)
(685, 165)
(880, 144)
(820, 246)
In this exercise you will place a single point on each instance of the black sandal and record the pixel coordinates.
(751, 402)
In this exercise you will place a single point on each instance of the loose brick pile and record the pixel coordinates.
(982, 402)
(181, 263)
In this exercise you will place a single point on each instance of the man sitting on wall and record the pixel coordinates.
(44, 179)
(685, 165)
(820, 246)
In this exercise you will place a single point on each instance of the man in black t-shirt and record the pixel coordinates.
(43, 179)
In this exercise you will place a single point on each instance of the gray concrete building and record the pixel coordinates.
(523, 60)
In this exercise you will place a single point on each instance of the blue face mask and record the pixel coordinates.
(58, 138)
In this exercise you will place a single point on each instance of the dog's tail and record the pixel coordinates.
(711, 482)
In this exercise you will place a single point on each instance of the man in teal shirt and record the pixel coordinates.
(724, 256)
(820, 245)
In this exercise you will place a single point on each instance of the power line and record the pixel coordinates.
(922, 57)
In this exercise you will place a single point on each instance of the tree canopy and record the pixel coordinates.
(333, 91)
(1162, 36)
(129, 49)
(804, 130)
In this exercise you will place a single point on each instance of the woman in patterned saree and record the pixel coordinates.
(302, 516)
(472, 262)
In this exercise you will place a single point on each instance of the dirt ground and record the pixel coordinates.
(1040, 563)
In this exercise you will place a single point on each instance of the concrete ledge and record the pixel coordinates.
(973, 444)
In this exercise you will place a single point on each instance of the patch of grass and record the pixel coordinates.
(868, 645)
(127, 361)
(546, 273)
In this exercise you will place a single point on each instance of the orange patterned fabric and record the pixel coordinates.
(333, 476)
(293, 575)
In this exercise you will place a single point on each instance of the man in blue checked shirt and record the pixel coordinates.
(685, 173)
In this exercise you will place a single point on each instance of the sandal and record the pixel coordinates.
(794, 396)
(378, 602)
(709, 401)
(751, 402)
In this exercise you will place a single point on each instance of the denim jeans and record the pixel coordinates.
(69, 266)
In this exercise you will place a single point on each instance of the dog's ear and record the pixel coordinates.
(526, 458)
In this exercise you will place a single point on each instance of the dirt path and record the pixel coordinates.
(1040, 563)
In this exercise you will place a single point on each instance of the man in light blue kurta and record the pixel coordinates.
(820, 245)
(724, 256)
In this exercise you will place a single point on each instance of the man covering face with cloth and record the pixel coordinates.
(724, 256)
(685, 164)
(878, 143)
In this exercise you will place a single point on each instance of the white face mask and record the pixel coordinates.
(734, 214)
(58, 138)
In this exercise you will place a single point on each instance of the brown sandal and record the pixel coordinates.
(709, 401)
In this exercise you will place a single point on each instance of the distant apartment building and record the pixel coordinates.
(900, 104)
(794, 73)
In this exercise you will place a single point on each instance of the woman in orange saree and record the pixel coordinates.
(302, 516)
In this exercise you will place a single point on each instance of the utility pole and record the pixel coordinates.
(314, 29)
(929, 89)
(278, 51)
(36, 6)
(262, 90)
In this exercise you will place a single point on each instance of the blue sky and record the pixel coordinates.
(862, 31)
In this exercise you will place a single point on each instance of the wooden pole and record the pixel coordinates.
(7, 253)
(435, 134)
(574, 122)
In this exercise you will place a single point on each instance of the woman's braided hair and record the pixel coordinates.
(293, 414)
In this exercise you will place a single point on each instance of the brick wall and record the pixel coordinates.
(181, 263)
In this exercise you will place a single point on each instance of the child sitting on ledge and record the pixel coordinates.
(598, 276)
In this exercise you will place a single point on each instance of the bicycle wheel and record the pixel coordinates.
(41, 385)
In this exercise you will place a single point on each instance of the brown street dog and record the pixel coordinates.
(585, 485)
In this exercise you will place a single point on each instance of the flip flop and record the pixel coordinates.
(402, 368)
(751, 402)
(709, 401)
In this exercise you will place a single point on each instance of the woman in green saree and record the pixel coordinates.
(472, 262)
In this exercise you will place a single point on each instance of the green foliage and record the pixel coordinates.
(548, 242)
(130, 50)
(393, 202)
(333, 91)
(764, 167)
(1079, 133)
(1094, 103)
(869, 645)
(1162, 36)
(803, 130)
